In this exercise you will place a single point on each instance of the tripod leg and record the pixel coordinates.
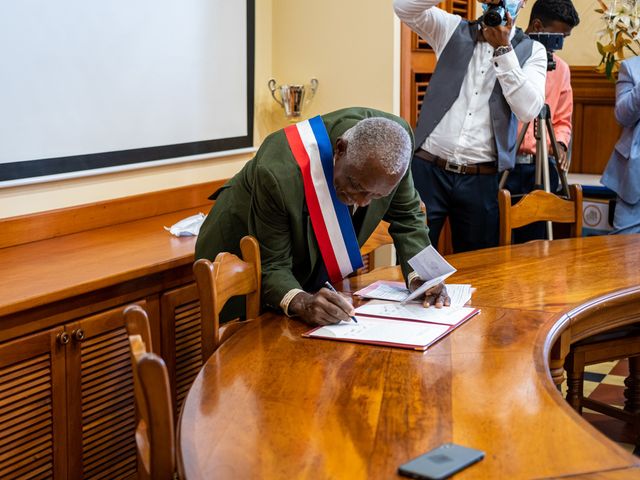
(503, 179)
(542, 161)
(556, 153)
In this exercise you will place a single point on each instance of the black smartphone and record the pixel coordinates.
(441, 462)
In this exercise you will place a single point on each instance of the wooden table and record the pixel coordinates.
(270, 404)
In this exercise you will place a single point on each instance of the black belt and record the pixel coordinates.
(473, 169)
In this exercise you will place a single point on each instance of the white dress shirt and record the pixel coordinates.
(465, 135)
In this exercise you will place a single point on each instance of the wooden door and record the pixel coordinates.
(181, 336)
(32, 407)
(101, 408)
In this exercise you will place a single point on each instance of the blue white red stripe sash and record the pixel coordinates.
(311, 147)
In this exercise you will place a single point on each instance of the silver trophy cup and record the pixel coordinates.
(292, 96)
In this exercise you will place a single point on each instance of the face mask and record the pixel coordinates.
(513, 7)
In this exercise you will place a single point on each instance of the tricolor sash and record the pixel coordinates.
(332, 225)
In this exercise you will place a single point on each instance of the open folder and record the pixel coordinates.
(396, 325)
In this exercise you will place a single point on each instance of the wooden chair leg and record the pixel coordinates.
(575, 373)
(557, 359)
(632, 382)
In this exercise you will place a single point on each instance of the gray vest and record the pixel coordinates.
(446, 81)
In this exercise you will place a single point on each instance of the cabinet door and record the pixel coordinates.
(32, 404)
(182, 344)
(102, 418)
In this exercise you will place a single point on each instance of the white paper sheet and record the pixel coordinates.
(376, 330)
(431, 267)
(396, 292)
(459, 293)
(416, 312)
(384, 290)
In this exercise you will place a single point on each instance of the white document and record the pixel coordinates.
(397, 292)
(431, 267)
(385, 332)
(385, 290)
(459, 294)
(416, 312)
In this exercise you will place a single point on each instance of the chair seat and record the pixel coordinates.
(617, 334)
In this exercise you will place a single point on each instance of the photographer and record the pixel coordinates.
(487, 78)
(555, 17)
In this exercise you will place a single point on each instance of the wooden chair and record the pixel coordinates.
(539, 206)
(227, 276)
(617, 344)
(155, 435)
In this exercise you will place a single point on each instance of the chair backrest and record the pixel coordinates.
(227, 276)
(155, 435)
(539, 206)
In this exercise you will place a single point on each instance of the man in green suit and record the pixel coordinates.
(266, 199)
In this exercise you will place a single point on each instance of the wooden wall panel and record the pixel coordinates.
(595, 130)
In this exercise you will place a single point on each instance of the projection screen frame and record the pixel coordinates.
(59, 168)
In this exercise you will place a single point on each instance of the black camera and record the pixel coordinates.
(494, 15)
(551, 42)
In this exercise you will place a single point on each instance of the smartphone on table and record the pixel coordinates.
(441, 462)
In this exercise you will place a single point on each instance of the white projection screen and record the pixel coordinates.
(89, 86)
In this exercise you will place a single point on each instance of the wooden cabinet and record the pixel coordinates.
(100, 402)
(32, 406)
(182, 347)
(66, 402)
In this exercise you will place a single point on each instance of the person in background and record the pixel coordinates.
(547, 16)
(486, 79)
(311, 196)
(622, 173)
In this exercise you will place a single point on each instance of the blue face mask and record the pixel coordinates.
(512, 6)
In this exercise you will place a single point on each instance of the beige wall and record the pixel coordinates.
(347, 45)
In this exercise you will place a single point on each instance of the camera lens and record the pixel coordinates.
(493, 17)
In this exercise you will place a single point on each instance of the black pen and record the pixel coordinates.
(330, 287)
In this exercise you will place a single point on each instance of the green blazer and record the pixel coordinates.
(266, 199)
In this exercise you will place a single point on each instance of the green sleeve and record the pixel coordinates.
(407, 223)
(269, 222)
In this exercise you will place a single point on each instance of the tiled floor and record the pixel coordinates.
(605, 382)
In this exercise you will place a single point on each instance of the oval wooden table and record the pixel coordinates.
(271, 404)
